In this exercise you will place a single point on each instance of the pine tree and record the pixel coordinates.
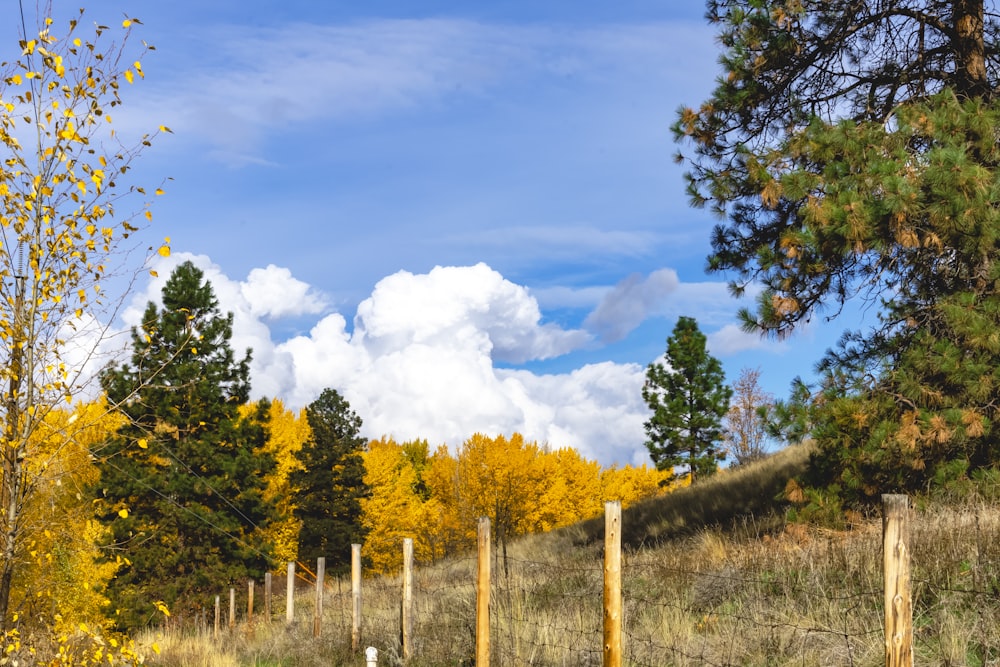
(329, 487)
(181, 484)
(689, 397)
(851, 149)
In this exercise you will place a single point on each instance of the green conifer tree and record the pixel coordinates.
(181, 484)
(329, 486)
(689, 398)
(850, 150)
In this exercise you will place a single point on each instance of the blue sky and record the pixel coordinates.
(463, 216)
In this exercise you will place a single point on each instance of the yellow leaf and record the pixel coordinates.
(129, 76)
(123, 513)
(159, 191)
(164, 251)
(149, 215)
(154, 273)
(143, 443)
(156, 648)
(164, 128)
(194, 350)
(126, 23)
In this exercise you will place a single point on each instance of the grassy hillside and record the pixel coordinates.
(712, 576)
(726, 500)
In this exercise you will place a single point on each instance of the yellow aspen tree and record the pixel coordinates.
(572, 491)
(66, 571)
(66, 205)
(395, 508)
(286, 431)
(451, 533)
(498, 478)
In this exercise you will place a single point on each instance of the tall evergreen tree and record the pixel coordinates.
(181, 483)
(689, 397)
(328, 488)
(851, 149)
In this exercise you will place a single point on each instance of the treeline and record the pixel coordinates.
(436, 496)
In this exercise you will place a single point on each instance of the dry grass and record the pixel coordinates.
(711, 577)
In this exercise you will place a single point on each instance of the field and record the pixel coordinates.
(712, 576)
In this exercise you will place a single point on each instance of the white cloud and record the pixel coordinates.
(419, 362)
(471, 308)
(596, 409)
(274, 293)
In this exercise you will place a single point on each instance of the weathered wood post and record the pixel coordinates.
(898, 594)
(612, 584)
(320, 581)
(483, 595)
(267, 596)
(218, 614)
(250, 601)
(232, 608)
(355, 596)
(407, 612)
(290, 594)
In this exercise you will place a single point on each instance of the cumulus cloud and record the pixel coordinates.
(465, 307)
(420, 359)
(274, 293)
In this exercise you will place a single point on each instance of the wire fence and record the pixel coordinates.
(816, 599)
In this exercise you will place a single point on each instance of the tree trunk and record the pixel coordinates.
(13, 455)
(970, 51)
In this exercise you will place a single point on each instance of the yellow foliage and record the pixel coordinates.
(395, 508)
(522, 487)
(630, 484)
(286, 431)
(64, 569)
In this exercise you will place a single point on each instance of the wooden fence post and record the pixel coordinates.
(250, 601)
(218, 610)
(407, 612)
(612, 584)
(320, 581)
(290, 594)
(355, 596)
(898, 594)
(267, 597)
(483, 595)
(232, 608)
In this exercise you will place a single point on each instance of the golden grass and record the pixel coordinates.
(711, 576)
